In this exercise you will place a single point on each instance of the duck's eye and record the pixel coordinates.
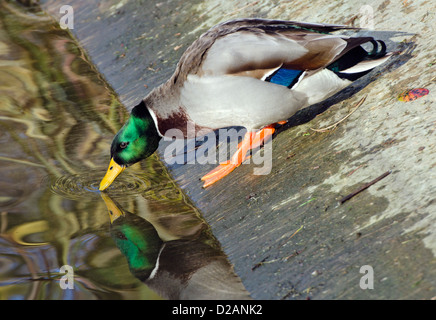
(123, 145)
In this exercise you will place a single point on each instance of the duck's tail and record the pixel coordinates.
(358, 62)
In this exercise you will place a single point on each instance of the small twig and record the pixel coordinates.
(365, 186)
(296, 253)
(303, 204)
(299, 229)
(353, 171)
(334, 125)
(257, 265)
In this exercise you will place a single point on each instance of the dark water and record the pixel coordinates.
(140, 240)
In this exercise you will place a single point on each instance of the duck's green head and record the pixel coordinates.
(136, 140)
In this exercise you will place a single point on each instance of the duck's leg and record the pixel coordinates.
(250, 141)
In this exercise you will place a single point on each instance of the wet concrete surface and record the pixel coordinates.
(286, 233)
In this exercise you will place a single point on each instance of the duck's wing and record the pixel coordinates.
(255, 47)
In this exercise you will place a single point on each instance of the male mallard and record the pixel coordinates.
(247, 72)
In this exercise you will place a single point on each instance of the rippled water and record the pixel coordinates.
(57, 119)
(81, 185)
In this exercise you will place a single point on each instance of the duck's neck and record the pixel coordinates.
(141, 113)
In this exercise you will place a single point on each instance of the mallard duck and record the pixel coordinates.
(251, 73)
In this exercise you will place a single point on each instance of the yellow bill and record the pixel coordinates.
(112, 172)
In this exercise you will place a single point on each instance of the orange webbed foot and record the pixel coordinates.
(250, 141)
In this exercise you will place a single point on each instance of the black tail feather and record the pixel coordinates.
(356, 55)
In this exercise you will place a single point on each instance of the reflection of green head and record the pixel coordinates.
(139, 242)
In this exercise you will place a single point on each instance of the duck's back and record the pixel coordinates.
(255, 72)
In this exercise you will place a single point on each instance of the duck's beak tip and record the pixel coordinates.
(112, 172)
(102, 187)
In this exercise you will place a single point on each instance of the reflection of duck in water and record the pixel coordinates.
(177, 269)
